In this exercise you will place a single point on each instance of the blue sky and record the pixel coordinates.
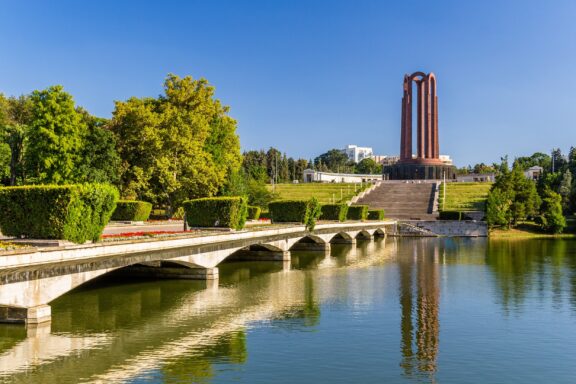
(308, 76)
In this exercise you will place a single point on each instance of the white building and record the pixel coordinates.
(533, 173)
(311, 176)
(356, 153)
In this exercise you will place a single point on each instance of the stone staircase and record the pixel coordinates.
(403, 200)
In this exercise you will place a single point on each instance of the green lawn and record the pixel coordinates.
(324, 192)
(464, 196)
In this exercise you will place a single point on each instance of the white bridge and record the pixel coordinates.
(30, 279)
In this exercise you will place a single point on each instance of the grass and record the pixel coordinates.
(464, 196)
(526, 230)
(325, 192)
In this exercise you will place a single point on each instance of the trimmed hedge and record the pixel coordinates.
(288, 211)
(132, 210)
(334, 212)
(375, 214)
(224, 212)
(66, 212)
(253, 212)
(357, 212)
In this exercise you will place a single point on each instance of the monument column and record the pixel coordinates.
(427, 164)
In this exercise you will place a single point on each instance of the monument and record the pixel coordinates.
(426, 164)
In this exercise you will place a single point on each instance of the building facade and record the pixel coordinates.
(312, 176)
(356, 153)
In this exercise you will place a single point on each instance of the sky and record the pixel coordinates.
(311, 75)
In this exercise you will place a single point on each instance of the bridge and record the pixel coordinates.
(31, 279)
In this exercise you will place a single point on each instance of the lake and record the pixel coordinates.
(394, 310)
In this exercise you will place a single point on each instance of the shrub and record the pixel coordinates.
(375, 214)
(253, 212)
(357, 212)
(288, 211)
(334, 212)
(225, 212)
(132, 210)
(313, 212)
(67, 212)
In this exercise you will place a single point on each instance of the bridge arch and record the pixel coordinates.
(363, 235)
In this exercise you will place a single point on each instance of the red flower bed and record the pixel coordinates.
(142, 234)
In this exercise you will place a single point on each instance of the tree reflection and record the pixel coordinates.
(198, 367)
(524, 266)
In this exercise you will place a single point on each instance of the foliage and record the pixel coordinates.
(14, 121)
(288, 211)
(335, 160)
(132, 210)
(368, 166)
(565, 190)
(253, 212)
(226, 212)
(537, 159)
(517, 195)
(182, 144)
(552, 219)
(54, 137)
(357, 212)
(334, 212)
(375, 214)
(71, 212)
(100, 162)
(313, 212)
(498, 212)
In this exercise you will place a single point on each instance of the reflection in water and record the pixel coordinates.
(323, 317)
(419, 287)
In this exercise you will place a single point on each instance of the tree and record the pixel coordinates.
(54, 137)
(178, 146)
(15, 117)
(100, 160)
(254, 164)
(552, 219)
(273, 159)
(498, 212)
(515, 197)
(369, 166)
(335, 161)
(565, 190)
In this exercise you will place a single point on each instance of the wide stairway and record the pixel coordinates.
(402, 200)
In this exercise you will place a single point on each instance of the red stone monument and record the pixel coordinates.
(426, 164)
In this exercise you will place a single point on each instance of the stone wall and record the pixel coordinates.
(453, 227)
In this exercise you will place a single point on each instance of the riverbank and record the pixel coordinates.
(527, 231)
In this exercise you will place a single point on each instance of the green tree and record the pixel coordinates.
(15, 117)
(552, 219)
(178, 146)
(100, 160)
(498, 208)
(335, 161)
(254, 164)
(369, 166)
(565, 190)
(54, 137)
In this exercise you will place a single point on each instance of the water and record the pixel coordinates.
(394, 311)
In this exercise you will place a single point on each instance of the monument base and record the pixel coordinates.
(401, 171)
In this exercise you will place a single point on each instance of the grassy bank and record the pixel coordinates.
(464, 196)
(527, 230)
(325, 192)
